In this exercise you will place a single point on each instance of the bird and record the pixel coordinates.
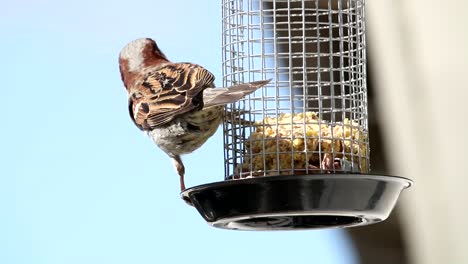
(176, 104)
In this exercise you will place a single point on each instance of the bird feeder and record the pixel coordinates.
(296, 150)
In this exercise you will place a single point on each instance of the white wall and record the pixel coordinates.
(420, 59)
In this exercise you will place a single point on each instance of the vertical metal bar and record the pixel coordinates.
(364, 117)
(262, 54)
(305, 88)
(319, 83)
(277, 105)
(290, 79)
(342, 67)
(330, 70)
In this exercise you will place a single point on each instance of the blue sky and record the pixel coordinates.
(79, 183)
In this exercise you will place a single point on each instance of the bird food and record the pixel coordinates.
(302, 143)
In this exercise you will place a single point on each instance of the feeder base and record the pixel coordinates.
(297, 202)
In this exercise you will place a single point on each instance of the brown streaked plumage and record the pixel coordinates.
(175, 103)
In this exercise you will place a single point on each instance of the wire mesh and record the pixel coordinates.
(312, 116)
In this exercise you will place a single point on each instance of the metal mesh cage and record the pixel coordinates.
(312, 117)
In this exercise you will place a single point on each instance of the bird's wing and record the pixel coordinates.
(167, 92)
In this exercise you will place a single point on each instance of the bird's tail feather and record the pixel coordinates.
(221, 96)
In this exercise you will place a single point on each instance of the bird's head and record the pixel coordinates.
(136, 56)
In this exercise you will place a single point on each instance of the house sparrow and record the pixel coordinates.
(175, 103)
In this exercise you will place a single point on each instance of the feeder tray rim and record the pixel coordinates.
(316, 176)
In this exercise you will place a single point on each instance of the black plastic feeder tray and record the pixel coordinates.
(297, 202)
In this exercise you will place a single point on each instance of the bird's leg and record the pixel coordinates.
(180, 170)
